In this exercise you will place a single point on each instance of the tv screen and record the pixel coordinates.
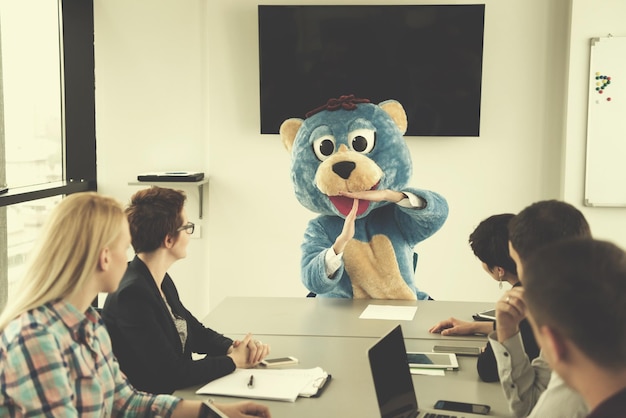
(427, 57)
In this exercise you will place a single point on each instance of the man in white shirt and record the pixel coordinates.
(532, 389)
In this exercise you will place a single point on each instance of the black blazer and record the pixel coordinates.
(487, 365)
(146, 342)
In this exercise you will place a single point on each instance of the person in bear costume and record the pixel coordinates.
(350, 164)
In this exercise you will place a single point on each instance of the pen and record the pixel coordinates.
(251, 382)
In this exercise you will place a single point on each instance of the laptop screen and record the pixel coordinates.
(392, 377)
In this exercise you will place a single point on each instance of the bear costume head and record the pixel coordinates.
(351, 145)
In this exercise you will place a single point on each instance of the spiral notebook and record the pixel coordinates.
(273, 384)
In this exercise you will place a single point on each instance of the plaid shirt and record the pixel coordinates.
(57, 362)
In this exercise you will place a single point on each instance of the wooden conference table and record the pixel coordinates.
(328, 333)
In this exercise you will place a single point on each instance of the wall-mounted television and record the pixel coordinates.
(428, 57)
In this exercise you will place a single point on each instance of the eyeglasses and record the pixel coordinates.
(188, 228)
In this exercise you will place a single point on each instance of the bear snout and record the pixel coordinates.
(344, 168)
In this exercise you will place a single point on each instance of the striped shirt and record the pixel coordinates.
(58, 362)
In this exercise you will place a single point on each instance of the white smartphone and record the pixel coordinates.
(489, 315)
(279, 361)
(425, 360)
(207, 410)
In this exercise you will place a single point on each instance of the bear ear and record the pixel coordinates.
(395, 110)
(288, 131)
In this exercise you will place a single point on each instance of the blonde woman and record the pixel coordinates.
(55, 353)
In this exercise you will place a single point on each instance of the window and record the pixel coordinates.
(47, 119)
(31, 87)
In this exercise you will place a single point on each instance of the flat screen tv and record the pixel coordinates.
(427, 57)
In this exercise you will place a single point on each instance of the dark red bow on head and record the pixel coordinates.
(348, 102)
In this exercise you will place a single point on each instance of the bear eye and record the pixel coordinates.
(362, 140)
(324, 147)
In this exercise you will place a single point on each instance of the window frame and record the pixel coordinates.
(79, 108)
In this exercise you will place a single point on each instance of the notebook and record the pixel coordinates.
(393, 382)
(274, 384)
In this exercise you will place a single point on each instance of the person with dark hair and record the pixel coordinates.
(587, 287)
(490, 244)
(591, 274)
(153, 334)
(532, 389)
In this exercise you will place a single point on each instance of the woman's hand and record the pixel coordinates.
(244, 409)
(257, 351)
(248, 352)
(194, 409)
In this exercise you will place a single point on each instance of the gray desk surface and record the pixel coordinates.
(350, 393)
(332, 317)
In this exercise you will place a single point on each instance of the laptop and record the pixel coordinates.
(393, 382)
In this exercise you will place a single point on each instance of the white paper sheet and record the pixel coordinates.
(390, 312)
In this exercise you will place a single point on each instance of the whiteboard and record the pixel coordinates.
(605, 169)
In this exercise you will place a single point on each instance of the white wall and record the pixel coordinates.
(151, 110)
(177, 88)
(589, 19)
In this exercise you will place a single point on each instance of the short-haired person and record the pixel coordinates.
(587, 287)
(490, 243)
(55, 353)
(153, 334)
(532, 389)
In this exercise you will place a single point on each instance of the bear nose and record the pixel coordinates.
(344, 168)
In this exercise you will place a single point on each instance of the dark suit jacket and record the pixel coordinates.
(146, 342)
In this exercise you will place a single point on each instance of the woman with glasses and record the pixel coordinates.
(153, 334)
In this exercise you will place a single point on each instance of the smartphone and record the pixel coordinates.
(279, 361)
(207, 410)
(458, 350)
(432, 360)
(473, 408)
(489, 315)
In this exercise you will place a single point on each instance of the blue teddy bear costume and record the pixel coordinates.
(351, 145)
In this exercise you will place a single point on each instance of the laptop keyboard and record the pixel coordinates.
(431, 415)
